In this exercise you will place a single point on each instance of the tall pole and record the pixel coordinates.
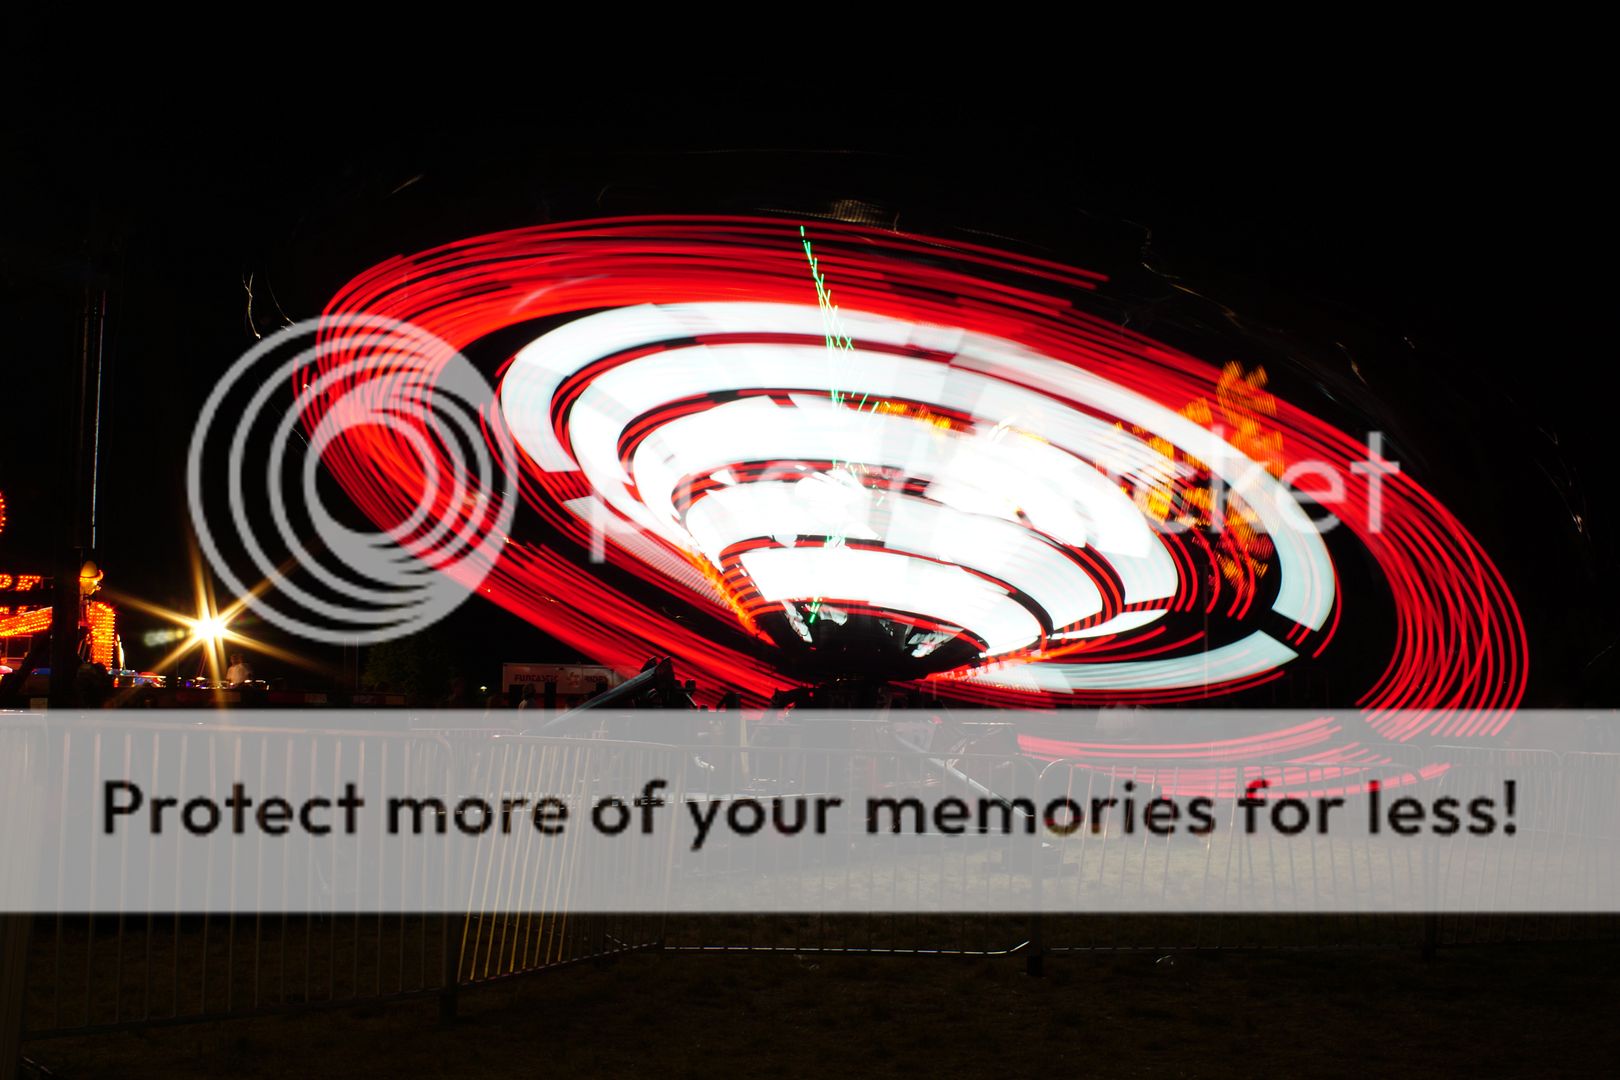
(80, 468)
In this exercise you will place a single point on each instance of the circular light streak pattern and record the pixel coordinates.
(388, 382)
(987, 473)
(982, 524)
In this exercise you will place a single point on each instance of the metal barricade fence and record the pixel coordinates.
(88, 973)
(1569, 796)
(1224, 861)
(517, 902)
(107, 971)
(1563, 796)
(885, 863)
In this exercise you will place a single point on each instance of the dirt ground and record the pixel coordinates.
(1533, 1010)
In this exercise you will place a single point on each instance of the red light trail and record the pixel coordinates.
(681, 397)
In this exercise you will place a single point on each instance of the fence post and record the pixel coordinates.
(23, 749)
(450, 971)
(13, 980)
(1431, 906)
(1035, 954)
(1035, 951)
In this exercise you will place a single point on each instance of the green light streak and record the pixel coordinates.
(838, 343)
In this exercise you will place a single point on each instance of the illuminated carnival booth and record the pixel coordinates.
(26, 610)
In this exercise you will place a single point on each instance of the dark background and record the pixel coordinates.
(1414, 269)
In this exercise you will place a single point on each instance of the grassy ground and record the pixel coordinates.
(1530, 1010)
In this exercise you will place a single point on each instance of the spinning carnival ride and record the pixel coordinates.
(956, 476)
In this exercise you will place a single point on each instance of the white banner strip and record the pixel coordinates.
(1211, 811)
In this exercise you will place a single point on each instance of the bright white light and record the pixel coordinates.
(1119, 624)
(1002, 497)
(211, 628)
(894, 583)
(1254, 655)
